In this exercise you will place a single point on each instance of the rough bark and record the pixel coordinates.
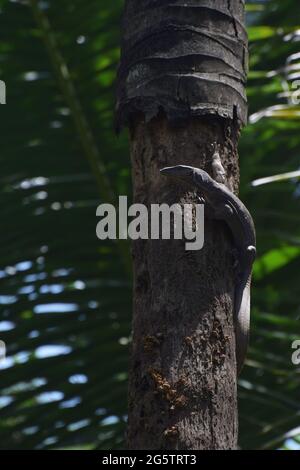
(182, 388)
(186, 57)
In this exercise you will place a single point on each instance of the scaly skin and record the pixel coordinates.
(223, 205)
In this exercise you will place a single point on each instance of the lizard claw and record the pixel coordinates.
(252, 252)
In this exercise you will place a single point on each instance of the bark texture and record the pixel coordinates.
(181, 91)
(188, 58)
(182, 391)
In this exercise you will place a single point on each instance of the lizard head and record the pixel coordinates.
(182, 172)
(189, 174)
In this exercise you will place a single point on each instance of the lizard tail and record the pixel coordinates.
(242, 323)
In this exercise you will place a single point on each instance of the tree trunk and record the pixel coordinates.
(181, 91)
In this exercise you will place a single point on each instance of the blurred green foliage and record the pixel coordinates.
(65, 297)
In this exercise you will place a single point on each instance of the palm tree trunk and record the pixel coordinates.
(181, 92)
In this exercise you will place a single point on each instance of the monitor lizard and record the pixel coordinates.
(222, 204)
